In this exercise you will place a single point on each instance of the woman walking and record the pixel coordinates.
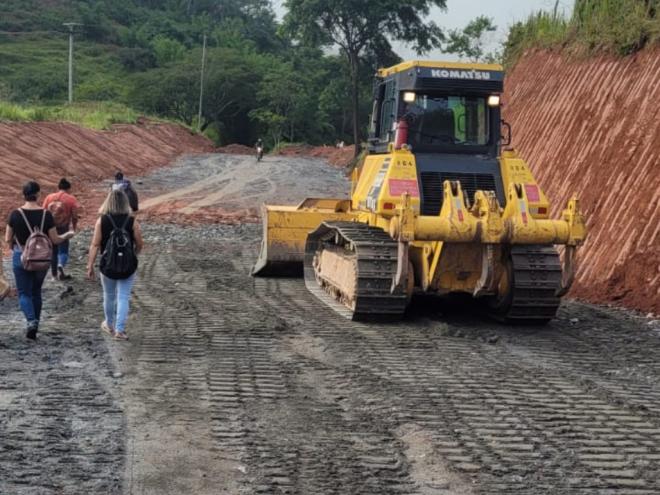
(118, 237)
(23, 234)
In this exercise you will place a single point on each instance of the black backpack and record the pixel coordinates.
(119, 260)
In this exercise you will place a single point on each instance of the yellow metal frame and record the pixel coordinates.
(404, 66)
(433, 239)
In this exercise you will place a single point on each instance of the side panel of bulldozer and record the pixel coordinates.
(515, 171)
(285, 230)
(382, 180)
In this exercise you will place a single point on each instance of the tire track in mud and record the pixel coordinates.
(266, 391)
(274, 431)
(507, 425)
(61, 424)
(239, 183)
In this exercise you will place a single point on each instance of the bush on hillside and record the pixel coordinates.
(137, 59)
(167, 50)
(622, 26)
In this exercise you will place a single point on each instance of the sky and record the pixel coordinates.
(460, 12)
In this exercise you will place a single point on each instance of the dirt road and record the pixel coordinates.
(231, 189)
(236, 385)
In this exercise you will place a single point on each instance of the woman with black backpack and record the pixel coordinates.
(118, 237)
(31, 233)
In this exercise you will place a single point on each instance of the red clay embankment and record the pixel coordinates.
(46, 151)
(591, 128)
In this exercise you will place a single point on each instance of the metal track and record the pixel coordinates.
(535, 276)
(376, 254)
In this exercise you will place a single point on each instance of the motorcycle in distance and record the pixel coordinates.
(260, 153)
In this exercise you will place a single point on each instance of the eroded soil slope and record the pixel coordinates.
(46, 151)
(590, 127)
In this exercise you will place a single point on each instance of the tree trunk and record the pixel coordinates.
(355, 90)
(343, 122)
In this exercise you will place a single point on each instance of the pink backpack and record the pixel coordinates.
(38, 249)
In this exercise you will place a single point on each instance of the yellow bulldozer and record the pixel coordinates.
(440, 205)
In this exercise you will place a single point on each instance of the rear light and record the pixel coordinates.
(388, 206)
(543, 211)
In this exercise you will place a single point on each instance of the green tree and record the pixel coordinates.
(469, 42)
(167, 50)
(282, 103)
(356, 25)
(232, 81)
(168, 92)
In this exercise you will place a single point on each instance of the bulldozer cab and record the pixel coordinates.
(446, 108)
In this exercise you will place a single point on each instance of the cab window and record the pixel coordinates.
(387, 111)
(447, 120)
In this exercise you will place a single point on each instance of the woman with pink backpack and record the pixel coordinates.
(31, 233)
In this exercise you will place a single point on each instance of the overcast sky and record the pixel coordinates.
(460, 12)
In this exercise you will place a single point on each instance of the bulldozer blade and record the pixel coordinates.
(278, 260)
(285, 230)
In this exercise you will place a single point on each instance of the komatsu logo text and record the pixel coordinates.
(460, 74)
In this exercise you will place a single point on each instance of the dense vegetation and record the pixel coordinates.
(261, 79)
(146, 54)
(295, 80)
(620, 26)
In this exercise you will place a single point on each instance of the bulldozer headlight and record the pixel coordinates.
(409, 97)
(494, 101)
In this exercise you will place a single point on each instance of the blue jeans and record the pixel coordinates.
(60, 256)
(29, 286)
(60, 252)
(116, 299)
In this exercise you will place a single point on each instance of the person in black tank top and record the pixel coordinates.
(115, 213)
(19, 226)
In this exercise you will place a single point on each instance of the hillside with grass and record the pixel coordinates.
(621, 27)
(137, 57)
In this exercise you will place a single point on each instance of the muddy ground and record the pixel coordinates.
(236, 385)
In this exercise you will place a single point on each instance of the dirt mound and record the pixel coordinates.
(50, 150)
(338, 157)
(236, 149)
(590, 128)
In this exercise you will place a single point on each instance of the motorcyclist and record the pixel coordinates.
(260, 149)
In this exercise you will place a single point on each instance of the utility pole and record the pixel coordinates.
(71, 26)
(201, 87)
